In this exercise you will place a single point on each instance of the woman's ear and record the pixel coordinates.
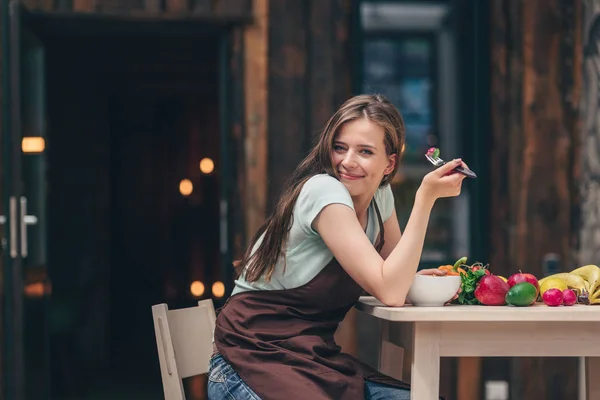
(391, 164)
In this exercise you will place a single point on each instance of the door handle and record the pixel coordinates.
(12, 208)
(2, 239)
(25, 220)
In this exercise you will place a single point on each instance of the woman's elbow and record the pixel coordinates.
(392, 300)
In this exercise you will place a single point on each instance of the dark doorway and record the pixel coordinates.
(131, 113)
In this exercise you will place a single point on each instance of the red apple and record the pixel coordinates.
(491, 291)
(523, 277)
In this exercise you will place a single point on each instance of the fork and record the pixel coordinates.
(438, 162)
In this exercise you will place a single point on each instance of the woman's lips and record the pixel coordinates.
(349, 177)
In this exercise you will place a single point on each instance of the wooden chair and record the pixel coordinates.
(184, 343)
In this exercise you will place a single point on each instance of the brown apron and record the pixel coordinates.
(280, 342)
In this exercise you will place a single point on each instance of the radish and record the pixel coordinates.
(553, 297)
(569, 297)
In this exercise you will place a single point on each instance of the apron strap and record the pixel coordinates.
(380, 238)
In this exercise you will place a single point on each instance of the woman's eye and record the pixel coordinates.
(337, 147)
(369, 152)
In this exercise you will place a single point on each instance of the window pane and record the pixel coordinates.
(401, 69)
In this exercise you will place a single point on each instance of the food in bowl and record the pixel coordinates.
(455, 269)
(433, 291)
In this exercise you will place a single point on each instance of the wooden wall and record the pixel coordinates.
(589, 234)
(590, 173)
(309, 77)
(209, 9)
(536, 86)
(2, 234)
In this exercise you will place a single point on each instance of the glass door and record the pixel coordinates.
(22, 184)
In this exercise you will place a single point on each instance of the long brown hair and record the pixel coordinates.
(375, 108)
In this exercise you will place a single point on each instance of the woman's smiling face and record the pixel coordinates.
(360, 157)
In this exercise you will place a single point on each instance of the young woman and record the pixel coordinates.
(333, 235)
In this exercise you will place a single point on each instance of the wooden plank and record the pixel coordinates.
(535, 138)
(592, 371)
(64, 5)
(505, 114)
(469, 374)
(462, 313)
(329, 81)
(505, 103)
(340, 52)
(543, 217)
(47, 5)
(589, 230)
(256, 47)
(201, 6)
(237, 134)
(177, 6)
(232, 7)
(590, 174)
(321, 65)
(520, 339)
(287, 92)
(84, 5)
(153, 6)
(2, 189)
(30, 4)
(425, 374)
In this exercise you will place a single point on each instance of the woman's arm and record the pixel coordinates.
(387, 279)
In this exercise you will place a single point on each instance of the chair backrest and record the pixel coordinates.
(184, 343)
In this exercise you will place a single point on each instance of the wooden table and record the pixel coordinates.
(427, 333)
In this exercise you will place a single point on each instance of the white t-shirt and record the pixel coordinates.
(306, 252)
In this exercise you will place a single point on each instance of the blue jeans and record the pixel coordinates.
(225, 384)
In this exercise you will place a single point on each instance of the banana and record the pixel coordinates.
(591, 273)
(595, 295)
(573, 281)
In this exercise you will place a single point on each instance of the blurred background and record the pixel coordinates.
(142, 143)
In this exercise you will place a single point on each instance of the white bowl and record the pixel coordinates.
(433, 291)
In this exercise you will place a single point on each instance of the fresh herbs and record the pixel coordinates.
(469, 280)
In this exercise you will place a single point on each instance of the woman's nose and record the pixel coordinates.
(349, 160)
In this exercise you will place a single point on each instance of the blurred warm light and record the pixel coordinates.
(197, 288)
(403, 148)
(207, 165)
(37, 289)
(33, 144)
(186, 187)
(218, 289)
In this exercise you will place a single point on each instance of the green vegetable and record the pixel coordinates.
(458, 263)
(468, 285)
(522, 294)
(436, 153)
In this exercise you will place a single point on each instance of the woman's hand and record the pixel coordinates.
(434, 271)
(431, 271)
(442, 182)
